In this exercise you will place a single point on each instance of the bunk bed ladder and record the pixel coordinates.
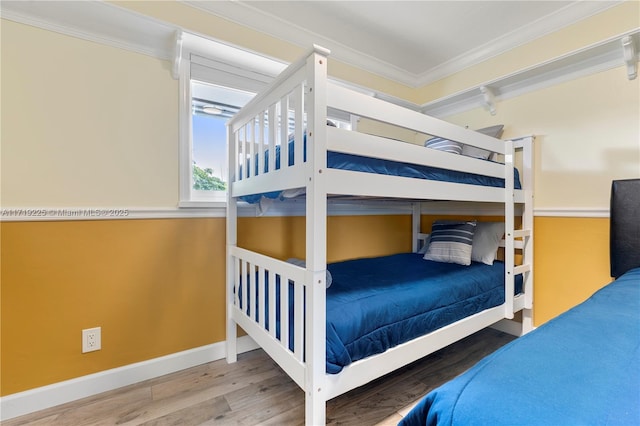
(526, 145)
(521, 239)
(509, 211)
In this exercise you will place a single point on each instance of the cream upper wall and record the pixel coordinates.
(587, 134)
(84, 124)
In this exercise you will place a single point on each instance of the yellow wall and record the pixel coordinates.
(571, 262)
(155, 287)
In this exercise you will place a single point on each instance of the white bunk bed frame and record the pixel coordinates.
(260, 126)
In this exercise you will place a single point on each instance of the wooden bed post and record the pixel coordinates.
(316, 238)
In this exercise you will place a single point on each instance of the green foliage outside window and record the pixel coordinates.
(204, 180)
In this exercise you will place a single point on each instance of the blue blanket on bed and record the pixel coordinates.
(582, 367)
(337, 160)
(374, 304)
(378, 303)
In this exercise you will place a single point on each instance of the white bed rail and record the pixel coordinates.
(259, 136)
(361, 105)
(268, 303)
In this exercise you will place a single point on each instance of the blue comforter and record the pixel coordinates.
(378, 303)
(582, 367)
(337, 160)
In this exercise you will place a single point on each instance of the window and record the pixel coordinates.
(211, 107)
(216, 80)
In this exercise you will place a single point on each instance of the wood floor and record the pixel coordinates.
(255, 391)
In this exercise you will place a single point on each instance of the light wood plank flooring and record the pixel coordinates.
(255, 391)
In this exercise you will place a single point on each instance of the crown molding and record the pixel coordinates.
(598, 57)
(115, 26)
(564, 17)
(246, 15)
(256, 19)
(96, 21)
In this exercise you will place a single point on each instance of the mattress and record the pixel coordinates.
(582, 367)
(337, 160)
(374, 304)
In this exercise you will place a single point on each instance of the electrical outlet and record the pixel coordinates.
(91, 339)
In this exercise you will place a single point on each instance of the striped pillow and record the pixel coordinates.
(444, 145)
(451, 242)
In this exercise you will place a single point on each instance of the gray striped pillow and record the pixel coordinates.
(444, 145)
(451, 242)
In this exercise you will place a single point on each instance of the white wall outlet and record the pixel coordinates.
(91, 339)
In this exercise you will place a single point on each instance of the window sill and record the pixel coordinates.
(202, 204)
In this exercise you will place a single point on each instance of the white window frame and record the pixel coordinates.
(210, 61)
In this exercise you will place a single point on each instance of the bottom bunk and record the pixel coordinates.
(374, 304)
(381, 313)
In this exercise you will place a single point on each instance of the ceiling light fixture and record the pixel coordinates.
(212, 110)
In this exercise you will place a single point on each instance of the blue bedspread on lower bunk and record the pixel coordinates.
(375, 304)
(337, 160)
(582, 367)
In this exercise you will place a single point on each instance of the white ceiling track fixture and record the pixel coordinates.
(630, 57)
(598, 57)
(488, 100)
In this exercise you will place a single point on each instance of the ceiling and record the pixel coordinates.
(412, 42)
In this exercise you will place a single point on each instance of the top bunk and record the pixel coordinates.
(290, 119)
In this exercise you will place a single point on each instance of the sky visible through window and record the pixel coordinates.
(209, 144)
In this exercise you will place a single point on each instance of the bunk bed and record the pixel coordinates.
(324, 337)
(579, 368)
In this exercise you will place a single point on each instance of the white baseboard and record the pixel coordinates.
(33, 400)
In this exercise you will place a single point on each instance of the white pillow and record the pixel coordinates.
(483, 154)
(486, 241)
(450, 242)
(301, 263)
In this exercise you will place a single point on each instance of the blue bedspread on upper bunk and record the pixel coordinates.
(374, 304)
(337, 160)
(582, 367)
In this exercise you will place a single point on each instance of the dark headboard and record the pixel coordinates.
(624, 235)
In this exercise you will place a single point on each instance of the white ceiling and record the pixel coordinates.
(413, 42)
